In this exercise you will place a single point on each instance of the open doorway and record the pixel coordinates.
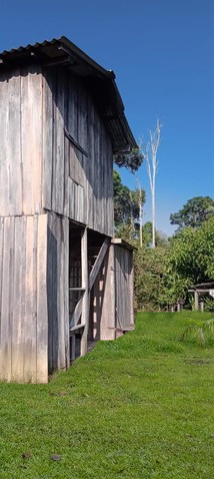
(87, 278)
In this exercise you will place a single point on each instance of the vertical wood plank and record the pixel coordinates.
(59, 143)
(14, 143)
(47, 139)
(66, 178)
(42, 322)
(90, 159)
(72, 107)
(85, 304)
(1, 278)
(31, 120)
(4, 163)
(50, 303)
(29, 327)
(66, 295)
(60, 294)
(18, 298)
(6, 299)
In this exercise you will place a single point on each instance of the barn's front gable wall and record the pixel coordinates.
(55, 166)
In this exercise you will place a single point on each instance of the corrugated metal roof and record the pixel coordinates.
(102, 82)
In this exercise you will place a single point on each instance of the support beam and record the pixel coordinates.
(77, 313)
(98, 262)
(85, 299)
(196, 300)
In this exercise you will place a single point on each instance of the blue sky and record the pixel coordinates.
(162, 54)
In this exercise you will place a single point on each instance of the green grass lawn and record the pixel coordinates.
(139, 407)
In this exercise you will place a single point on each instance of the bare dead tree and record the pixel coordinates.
(140, 203)
(131, 213)
(149, 152)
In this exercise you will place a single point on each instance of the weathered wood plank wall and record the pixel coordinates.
(124, 300)
(57, 292)
(77, 175)
(55, 158)
(23, 299)
(21, 97)
(102, 308)
(38, 162)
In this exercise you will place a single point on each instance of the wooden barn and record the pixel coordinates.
(64, 280)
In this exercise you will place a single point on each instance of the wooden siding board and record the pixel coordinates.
(29, 329)
(123, 288)
(66, 176)
(96, 174)
(90, 215)
(57, 287)
(18, 297)
(14, 144)
(31, 138)
(50, 292)
(59, 139)
(5, 345)
(1, 283)
(60, 294)
(4, 166)
(47, 139)
(42, 323)
(66, 292)
(72, 114)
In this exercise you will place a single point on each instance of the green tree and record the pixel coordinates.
(126, 208)
(149, 264)
(132, 160)
(160, 238)
(189, 260)
(194, 212)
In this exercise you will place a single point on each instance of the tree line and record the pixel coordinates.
(164, 274)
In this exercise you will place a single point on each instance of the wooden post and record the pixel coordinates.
(178, 307)
(202, 306)
(196, 300)
(73, 346)
(85, 303)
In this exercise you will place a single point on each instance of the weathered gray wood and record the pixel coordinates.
(85, 303)
(4, 164)
(196, 296)
(76, 327)
(66, 292)
(104, 300)
(90, 209)
(73, 347)
(31, 144)
(52, 285)
(18, 301)
(1, 271)
(60, 293)
(72, 107)
(77, 209)
(42, 320)
(76, 144)
(47, 139)
(98, 262)
(123, 288)
(29, 326)
(77, 313)
(5, 345)
(59, 142)
(14, 144)
(66, 178)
